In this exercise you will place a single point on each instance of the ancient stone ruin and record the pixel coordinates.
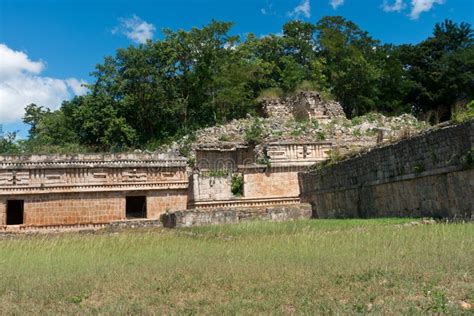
(303, 105)
(427, 175)
(223, 181)
(67, 190)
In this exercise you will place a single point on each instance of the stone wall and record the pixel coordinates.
(68, 209)
(91, 207)
(427, 175)
(78, 189)
(303, 105)
(235, 215)
(161, 201)
(271, 182)
(223, 156)
(297, 154)
(205, 187)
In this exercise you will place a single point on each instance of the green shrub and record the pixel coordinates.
(463, 114)
(217, 173)
(224, 138)
(320, 135)
(357, 120)
(265, 160)
(237, 184)
(254, 134)
(270, 93)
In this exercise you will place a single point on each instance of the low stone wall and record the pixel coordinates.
(427, 175)
(190, 218)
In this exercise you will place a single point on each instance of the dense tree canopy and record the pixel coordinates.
(148, 94)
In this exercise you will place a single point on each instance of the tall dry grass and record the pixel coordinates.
(319, 266)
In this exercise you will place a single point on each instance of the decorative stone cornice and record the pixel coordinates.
(90, 161)
(261, 202)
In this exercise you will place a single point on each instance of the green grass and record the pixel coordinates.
(304, 267)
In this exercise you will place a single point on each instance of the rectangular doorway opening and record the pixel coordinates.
(15, 212)
(135, 207)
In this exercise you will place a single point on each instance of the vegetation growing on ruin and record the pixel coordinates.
(153, 93)
(254, 134)
(463, 113)
(383, 266)
(237, 184)
(217, 173)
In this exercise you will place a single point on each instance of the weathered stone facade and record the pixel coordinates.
(272, 181)
(236, 214)
(427, 175)
(297, 154)
(422, 176)
(61, 190)
(303, 105)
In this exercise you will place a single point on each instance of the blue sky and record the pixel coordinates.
(49, 47)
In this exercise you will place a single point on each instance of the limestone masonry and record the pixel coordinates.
(427, 175)
(226, 179)
(62, 190)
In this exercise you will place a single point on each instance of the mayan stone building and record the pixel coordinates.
(270, 182)
(269, 176)
(55, 190)
(61, 190)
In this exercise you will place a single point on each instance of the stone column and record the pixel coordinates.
(3, 212)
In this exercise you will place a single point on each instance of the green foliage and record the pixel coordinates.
(270, 93)
(217, 173)
(419, 168)
(185, 146)
(463, 114)
(440, 69)
(320, 135)
(224, 138)
(264, 160)
(254, 134)
(440, 302)
(468, 158)
(8, 144)
(147, 95)
(299, 128)
(237, 184)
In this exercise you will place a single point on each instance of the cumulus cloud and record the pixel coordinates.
(420, 6)
(22, 84)
(336, 3)
(397, 6)
(135, 29)
(303, 9)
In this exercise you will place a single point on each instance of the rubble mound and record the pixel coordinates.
(306, 118)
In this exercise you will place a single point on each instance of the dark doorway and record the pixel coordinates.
(15, 212)
(135, 207)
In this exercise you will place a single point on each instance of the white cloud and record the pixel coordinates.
(397, 6)
(420, 6)
(135, 29)
(77, 86)
(303, 9)
(21, 84)
(336, 3)
(13, 63)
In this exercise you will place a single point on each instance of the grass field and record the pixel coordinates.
(305, 267)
